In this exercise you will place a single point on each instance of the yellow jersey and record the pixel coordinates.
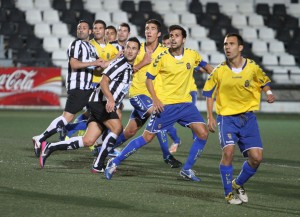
(176, 76)
(236, 92)
(138, 86)
(107, 53)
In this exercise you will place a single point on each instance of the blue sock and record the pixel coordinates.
(73, 127)
(226, 176)
(173, 134)
(246, 173)
(81, 117)
(163, 142)
(120, 140)
(132, 147)
(195, 151)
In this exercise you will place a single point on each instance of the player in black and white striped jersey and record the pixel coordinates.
(103, 103)
(82, 60)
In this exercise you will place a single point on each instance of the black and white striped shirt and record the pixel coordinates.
(120, 75)
(80, 78)
(117, 45)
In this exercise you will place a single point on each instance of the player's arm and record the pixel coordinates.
(211, 122)
(270, 96)
(104, 85)
(204, 67)
(76, 64)
(157, 104)
(145, 61)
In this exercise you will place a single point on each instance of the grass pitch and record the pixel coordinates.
(143, 185)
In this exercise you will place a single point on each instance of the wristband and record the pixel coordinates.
(269, 92)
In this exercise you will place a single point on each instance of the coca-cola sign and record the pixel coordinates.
(30, 86)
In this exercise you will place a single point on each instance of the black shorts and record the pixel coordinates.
(77, 100)
(99, 114)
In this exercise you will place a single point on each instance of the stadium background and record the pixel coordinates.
(38, 32)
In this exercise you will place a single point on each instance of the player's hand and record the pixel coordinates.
(98, 62)
(110, 106)
(212, 124)
(104, 64)
(270, 98)
(158, 106)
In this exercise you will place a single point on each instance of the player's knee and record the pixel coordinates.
(255, 160)
(87, 141)
(203, 133)
(130, 133)
(148, 136)
(227, 155)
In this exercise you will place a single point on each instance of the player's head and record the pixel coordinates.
(152, 30)
(123, 32)
(83, 30)
(132, 49)
(111, 33)
(99, 29)
(166, 40)
(177, 36)
(233, 45)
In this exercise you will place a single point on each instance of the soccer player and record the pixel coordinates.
(237, 84)
(82, 58)
(110, 33)
(172, 102)
(106, 52)
(103, 102)
(122, 36)
(140, 97)
(166, 40)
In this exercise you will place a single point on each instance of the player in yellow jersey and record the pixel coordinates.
(139, 96)
(105, 50)
(172, 101)
(110, 33)
(237, 84)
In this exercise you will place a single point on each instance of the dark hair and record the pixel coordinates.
(134, 39)
(101, 22)
(125, 25)
(239, 38)
(155, 22)
(111, 27)
(177, 27)
(165, 37)
(84, 21)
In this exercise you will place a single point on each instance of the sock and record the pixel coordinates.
(71, 144)
(120, 140)
(173, 134)
(195, 151)
(107, 145)
(163, 142)
(73, 127)
(55, 126)
(226, 176)
(81, 117)
(246, 173)
(132, 147)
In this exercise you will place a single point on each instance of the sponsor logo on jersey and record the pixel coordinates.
(188, 66)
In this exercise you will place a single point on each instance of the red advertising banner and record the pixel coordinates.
(30, 86)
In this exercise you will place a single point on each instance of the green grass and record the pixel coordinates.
(143, 185)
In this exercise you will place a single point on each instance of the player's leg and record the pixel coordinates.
(228, 138)
(176, 140)
(250, 145)
(115, 128)
(130, 149)
(92, 133)
(76, 100)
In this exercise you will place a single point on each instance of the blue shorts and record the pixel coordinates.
(182, 113)
(194, 96)
(239, 129)
(141, 104)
